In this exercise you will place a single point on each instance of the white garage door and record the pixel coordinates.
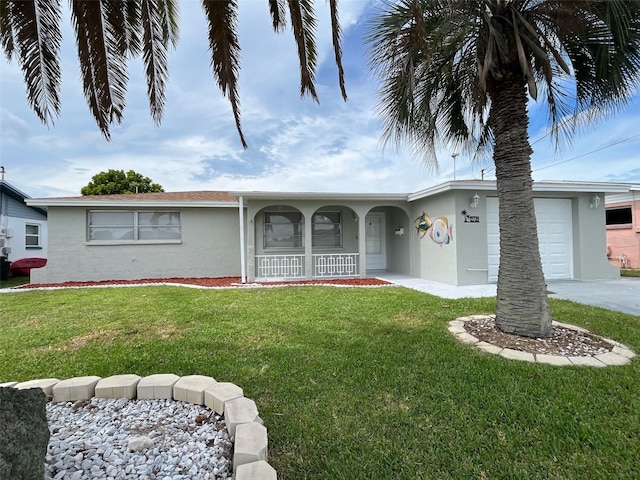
(555, 236)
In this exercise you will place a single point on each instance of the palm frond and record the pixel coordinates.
(222, 16)
(168, 12)
(103, 66)
(6, 28)
(278, 15)
(303, 24)
(155, 49)
(31, 30)
(337, 49)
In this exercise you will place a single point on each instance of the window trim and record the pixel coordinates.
(135, 226)
(37, 246)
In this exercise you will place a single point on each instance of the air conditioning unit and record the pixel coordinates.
(6, 250)
(7, 232)
(2, 242)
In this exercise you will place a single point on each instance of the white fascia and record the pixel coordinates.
(321, 196)
(47, 202)
(542, 186)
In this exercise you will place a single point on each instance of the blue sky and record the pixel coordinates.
(294, 144)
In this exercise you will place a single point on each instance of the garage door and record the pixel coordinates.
(555, 236)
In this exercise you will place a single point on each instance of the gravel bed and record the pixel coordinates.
(136, 439)
(564, 341)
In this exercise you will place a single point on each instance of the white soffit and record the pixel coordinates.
(543, 186)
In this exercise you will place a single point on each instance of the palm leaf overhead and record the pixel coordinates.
(110, 32)
(303, 24)
(278, 13)
(457, 73)
(31, 31)
(159, 30)
(99, 26)
(222, 16)
(335, 28)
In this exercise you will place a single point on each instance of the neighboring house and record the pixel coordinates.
(623, 228)
(23, 228)
(447, 233)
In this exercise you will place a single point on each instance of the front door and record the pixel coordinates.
(376, 242)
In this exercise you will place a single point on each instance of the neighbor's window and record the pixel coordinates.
(134, 226)
(618, 216)
(283, 230)
(326, 229)
(32, 236)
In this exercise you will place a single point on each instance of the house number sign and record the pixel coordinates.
(470, 218)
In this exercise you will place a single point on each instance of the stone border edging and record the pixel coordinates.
(619, 355)
(241, 414)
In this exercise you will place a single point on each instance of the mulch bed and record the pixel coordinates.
(213, 282)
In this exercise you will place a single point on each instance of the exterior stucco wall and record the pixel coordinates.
(471, 238)
(465, 260)
(210, 247)
(398, 246)
(437, 262)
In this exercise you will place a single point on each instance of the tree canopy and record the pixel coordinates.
(117, 181)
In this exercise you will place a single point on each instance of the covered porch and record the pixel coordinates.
(325, 236)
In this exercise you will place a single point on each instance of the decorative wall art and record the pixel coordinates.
(438, 229)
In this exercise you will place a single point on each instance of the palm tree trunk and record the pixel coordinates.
(522, 307)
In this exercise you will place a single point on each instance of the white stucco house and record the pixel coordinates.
(447, 233)
(23, 228)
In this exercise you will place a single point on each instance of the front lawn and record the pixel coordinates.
(14, 282)
(353, 383)
(630, 272)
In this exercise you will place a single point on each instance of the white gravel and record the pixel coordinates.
(177, 440)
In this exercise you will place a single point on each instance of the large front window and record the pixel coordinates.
(327, 229)
(133, 226)
(283, 230)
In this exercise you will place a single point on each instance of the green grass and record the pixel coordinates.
(14, 282)
(351, 383)
(630, 272)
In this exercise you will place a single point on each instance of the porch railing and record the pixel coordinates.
(335, 264)
(280, 266)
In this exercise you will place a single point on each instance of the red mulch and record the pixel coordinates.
(214, 282)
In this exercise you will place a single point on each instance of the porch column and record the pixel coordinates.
(308, 245)
(243, 277)
(251, 244)
(362, 244)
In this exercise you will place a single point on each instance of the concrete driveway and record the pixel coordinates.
(622, 295)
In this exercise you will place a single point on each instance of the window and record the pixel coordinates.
(32, 236)
(326, 229)
(283, 230)
(134, 226)
(618, 216)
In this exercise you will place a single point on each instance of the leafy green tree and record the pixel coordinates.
(117, 181)
(109, 33)
(458, 73)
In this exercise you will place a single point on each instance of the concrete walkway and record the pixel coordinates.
(621, 295)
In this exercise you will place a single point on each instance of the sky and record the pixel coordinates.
(295, 145)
